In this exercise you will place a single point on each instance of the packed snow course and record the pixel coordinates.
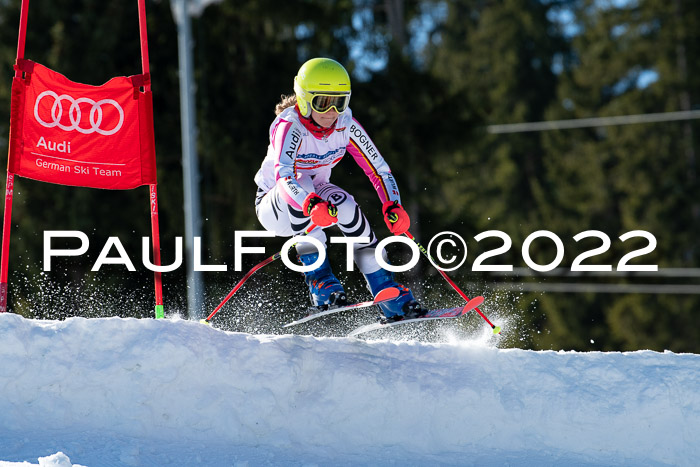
(144, 392)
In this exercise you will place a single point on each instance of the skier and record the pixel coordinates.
(313, 130)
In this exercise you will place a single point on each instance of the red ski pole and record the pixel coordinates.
(496, 329)
(255, 268)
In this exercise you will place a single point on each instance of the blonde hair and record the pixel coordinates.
(286, 102)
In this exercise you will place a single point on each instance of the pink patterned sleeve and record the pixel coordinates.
(365, 153)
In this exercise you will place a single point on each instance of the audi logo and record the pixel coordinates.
(75, 114)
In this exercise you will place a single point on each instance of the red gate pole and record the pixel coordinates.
(10, 181)
(153, 192)
(21, 39)
(155, 235)
(6, 225)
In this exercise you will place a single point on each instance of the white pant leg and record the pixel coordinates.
(277, 216)
(353, 223)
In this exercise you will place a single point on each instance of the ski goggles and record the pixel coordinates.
(322, 103)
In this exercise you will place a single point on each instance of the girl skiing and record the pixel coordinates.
(313, 130)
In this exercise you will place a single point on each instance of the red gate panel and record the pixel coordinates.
(76, 134)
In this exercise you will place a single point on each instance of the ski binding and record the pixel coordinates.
(383, 296)
(443, 313)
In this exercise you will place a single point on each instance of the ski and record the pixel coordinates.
(383, 296)
(443, 313)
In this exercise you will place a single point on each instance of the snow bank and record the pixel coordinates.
(56, 460)
(170, 392)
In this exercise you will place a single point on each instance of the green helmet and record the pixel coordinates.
(322, 84)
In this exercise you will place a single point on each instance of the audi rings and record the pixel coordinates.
(75, 114)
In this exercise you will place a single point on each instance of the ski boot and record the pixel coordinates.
(325, 289)
(405, 306)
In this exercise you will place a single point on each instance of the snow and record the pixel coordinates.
(114, 391)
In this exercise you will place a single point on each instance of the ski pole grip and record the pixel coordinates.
(332, 210)
(390, 215)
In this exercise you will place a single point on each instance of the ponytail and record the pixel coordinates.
(286, 102)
